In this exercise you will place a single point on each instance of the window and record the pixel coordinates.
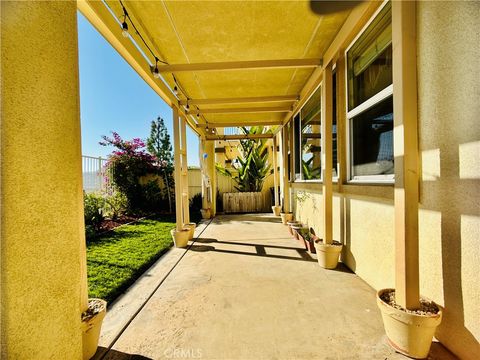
(370, 103)
(334, 127)
(310, 139)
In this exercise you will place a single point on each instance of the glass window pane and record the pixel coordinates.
(370, 60)
(334, 126)
(310, 138)
(372, 140)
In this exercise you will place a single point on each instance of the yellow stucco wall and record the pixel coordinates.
(449, 215)
(449, 110)
(42, 246)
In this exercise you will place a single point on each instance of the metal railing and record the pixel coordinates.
(95, 174)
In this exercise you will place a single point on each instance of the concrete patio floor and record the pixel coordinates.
(246, 290)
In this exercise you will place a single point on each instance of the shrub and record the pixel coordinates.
(126, 165)
(93, 210)
(115, 205)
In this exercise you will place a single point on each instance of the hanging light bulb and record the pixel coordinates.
(188, 106)
(175, 90)
(198, 115)
(125, 29)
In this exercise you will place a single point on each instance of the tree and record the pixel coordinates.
(159, 145)
(253, 165)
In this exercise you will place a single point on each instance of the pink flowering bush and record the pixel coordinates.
(126, 164)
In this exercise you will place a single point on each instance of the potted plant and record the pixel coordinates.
(191, 227)
(295, 229)
(286, 217)
(409, 332)
(327, 253)
(309, 240)
(92, 320)
(180, 237)
(206, 213)
(276, 210)
(290, 224)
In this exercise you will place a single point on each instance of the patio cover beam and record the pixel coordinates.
(257, 99)
(238, 137)
(242, 65)
(245, 110)
(240, 124)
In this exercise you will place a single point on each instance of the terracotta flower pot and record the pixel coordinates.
(180, 238)
(408, 333)
(91, 327)
(295, 230)
(328, 254)
(206, 214)
(286, 217)
(290, 224)
(310, 244)
(191, 228)
(276, 210)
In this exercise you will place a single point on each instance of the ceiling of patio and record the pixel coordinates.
(189, 32)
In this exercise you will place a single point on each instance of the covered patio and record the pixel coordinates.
(398, 191)
(249, 294)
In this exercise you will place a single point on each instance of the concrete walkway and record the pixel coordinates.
(246, 290)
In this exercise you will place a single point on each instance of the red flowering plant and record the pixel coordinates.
(126, 164)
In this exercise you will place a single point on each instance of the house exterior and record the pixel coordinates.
(373, 107)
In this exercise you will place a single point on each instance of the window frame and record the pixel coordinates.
(382, 95)
(299, 149)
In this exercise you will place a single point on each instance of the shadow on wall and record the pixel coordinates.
(450, 135)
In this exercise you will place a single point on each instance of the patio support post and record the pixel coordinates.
(286, 185)
(275, 171)
(210, 151)
(407, 289)
(178, 169)
(43, 253)
(184, 169)
(327, 153)
(203, 168)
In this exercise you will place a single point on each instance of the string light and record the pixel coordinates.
(124, 24)
(175, 90)
(188, 106)
(156, 73)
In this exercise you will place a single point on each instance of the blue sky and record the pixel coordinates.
(113, 97)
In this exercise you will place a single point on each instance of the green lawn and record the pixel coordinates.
(116, 259)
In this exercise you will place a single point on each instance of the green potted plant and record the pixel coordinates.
(92, 320)
(290, 224)
(309, 241)
(286, 217)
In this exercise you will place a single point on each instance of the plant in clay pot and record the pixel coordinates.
(328, 253)
(206, 213)
(290, 224)
(286, 217)
(295, 229)
(92, 320)
(309, 240)
(276, 210)
(409, 331)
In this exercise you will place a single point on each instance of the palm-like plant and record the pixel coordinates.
(253, 166)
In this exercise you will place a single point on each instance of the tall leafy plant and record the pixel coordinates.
(252, 166)
(159, 145)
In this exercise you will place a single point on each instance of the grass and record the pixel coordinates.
(116, 259)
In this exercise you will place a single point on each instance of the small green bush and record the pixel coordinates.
(115, 205)
(93, 208)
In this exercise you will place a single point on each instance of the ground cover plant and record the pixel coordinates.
(117, 258)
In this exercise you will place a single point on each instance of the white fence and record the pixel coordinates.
(93, 171)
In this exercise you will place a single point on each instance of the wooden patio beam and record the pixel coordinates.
(241, 110)
(242, 65)
(241, 123)
(256, 99)
(238, 137)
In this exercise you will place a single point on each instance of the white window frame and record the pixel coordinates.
(299, 112)
(366, 105)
